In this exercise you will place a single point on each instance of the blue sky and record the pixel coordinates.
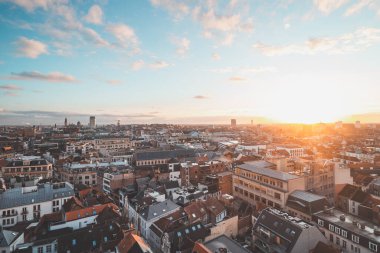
(189, 61)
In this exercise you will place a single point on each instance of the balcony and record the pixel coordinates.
(9, 215)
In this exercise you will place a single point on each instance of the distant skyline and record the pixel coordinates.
(164, 61)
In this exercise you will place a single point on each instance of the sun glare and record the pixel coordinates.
(299, 103)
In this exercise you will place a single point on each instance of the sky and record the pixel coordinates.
(189, 61)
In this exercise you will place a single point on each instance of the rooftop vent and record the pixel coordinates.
(342, 217)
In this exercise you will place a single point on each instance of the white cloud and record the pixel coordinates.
(94, 15)
(125, 36)
(137, 65)
(159, 65)
(30, 48)
(327, 6)
(350, 42)
(182, 44)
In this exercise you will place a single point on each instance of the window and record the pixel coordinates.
(344, 233)
(74, 242)
(48, 248)
(331, 227)
(321, 222)
(40, 250)
(337, 240)
(337, 230)
(373, 246)
(344, 243)
(93, 243)
(331, 238)
(355, 238)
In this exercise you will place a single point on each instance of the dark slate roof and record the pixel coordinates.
(324, 248)
(7, 237)
(306, 196)
(360, 196)
(42, 193)
(183, 238)
(158, 209)
(264, 168)
(348, 191)
(225, 242)
(306, 202)
(165, 154)
(281, 224)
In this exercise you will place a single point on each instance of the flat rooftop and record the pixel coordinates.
(334, 217)
(265, 168)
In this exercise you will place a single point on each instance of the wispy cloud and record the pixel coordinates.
(327, 6)
(178, 9)
(216, 57)
(31, 5)
(10, 87)
(94, 15)
(218, 21)
(159, 65)
(30, 48)
(200, 97)
(114, 82)
(58, 114)
(56, 77)
(243, 70)
(237, 79)
(359, 5)
(350, 42)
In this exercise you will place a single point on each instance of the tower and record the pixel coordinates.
(92, 123)
(233, 122)
(65, 122)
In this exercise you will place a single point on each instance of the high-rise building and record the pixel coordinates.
(65, 122)
(233, 122)
(357, 124)
(92, 122)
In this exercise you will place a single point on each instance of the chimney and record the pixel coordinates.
(342, 217)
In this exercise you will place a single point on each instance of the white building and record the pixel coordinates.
(31, 203)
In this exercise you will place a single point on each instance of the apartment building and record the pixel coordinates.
(348, 233)
(144, 216)
(31, 203)
(111, 145)
(116, 180)
(144, 158)
(85, 173)
(32, 166)
(258, 182)
(194, 173)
